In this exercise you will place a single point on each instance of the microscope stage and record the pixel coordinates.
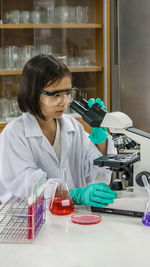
(117, 161)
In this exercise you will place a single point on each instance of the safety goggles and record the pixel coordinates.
(56, 97)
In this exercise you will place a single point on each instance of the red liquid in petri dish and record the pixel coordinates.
(61, 206)
(86, 219)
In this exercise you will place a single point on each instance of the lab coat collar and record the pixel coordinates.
(66, 124)
(66, 129)
(32, 128)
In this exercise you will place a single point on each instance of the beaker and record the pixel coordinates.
(61, 204)
(146, 214)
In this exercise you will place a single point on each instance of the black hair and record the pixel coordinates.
(37, 72)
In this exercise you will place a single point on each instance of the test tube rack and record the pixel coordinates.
(21, 219)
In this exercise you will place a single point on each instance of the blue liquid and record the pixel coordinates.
(146, 219)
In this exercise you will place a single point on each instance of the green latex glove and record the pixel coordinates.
(96, 195)
(98, 134)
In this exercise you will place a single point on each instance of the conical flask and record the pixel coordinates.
(61, 204)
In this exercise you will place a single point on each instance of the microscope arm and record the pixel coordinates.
(96, 116)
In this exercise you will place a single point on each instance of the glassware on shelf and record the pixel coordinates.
(79, 61)
(85, 14)
(44, 49)
(4, 102)
(50, 15)
(69, 14)
(15, 57)
(65, 14)
(36, 16)
(59, 14)
(62, 14)
(12, 17)
(22, 16)
(63, 58)
(1, 58)
(15, 16)
(11, 57)
(82, 14)
(73, 61)
(25, 17)
(9, 109)
(7, 17)
(1, 109)
(72, 11)
(89, 56)
(82, 94)
(14, 108)
(27, 52)
(57, 18)
(85, 61)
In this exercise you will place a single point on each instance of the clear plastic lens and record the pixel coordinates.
(58, 98)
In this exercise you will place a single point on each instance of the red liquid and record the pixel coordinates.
(61, 206)
(30, 221)
(86, 219)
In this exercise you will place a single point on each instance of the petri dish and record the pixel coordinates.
(86, 219)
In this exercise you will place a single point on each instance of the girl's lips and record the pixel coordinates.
(60, 111)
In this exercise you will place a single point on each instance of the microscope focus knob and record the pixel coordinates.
(139, 178)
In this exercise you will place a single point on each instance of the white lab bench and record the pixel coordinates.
(117, 241)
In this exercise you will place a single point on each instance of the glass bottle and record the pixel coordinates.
(61, 204)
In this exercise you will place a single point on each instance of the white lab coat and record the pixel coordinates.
(24, 149)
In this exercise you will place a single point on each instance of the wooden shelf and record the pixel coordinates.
(2, 126)
(72, 69)
(86, 69)
(51, 26)
(10, 72)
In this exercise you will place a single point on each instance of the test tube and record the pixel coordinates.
(146, 214)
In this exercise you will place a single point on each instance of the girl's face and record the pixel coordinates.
(53, 106)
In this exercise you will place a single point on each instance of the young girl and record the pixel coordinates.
(43, 138)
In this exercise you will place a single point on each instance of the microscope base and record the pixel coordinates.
(127, 203)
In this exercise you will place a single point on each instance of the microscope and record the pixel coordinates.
(131, 200)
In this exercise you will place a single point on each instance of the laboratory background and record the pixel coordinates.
(106, 46)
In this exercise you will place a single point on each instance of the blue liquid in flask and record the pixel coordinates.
(146, 219)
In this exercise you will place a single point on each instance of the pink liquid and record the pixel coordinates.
(30, 221)
(86, 219)
(61, 206)
(35, 217)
